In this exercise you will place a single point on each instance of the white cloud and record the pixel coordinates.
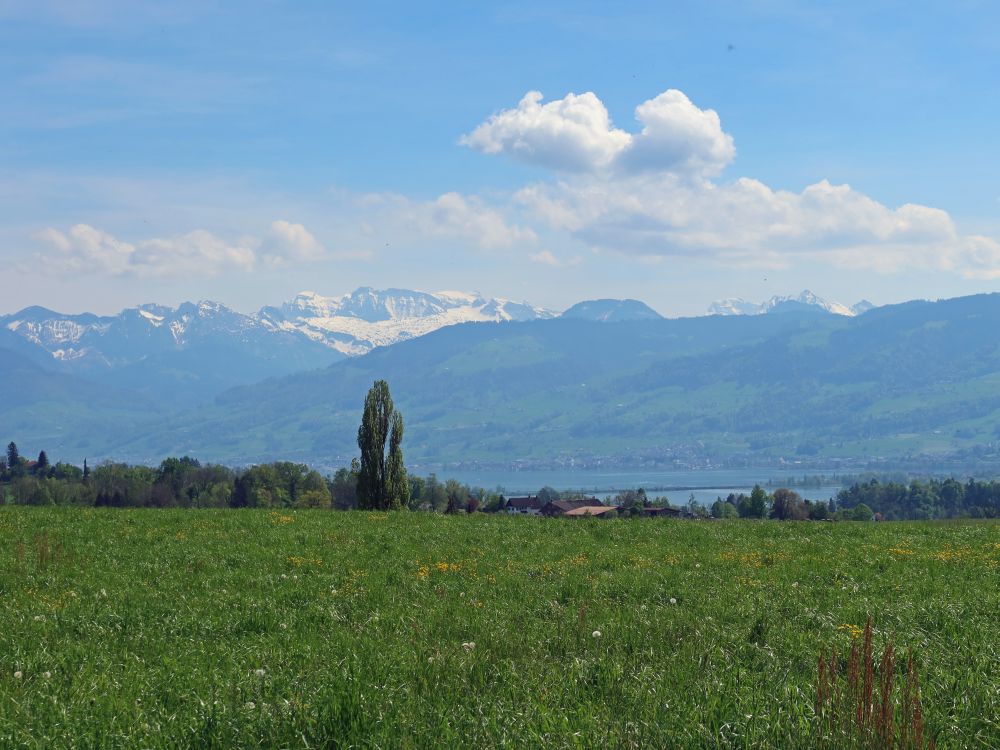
(197, 252)
(84, 250)
(678, 137)
(290, 242)
(469, 218)
(451, 215)
(575, 134)
(547, 258)
(652, 194)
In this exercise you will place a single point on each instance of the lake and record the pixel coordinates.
(678, 485)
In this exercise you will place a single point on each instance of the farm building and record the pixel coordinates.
(529, 505)
(561, 507)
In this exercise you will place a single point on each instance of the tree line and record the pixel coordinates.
(925, 500)
(187, 483)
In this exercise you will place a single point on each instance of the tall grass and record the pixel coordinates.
(850, 713)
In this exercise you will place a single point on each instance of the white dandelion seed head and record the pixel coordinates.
(284, 626)
(259, 672)
(18, 674)
(249, 705)
(469, 646)
(673, 601)
(46, 675)
(596, 634)
(39, 618)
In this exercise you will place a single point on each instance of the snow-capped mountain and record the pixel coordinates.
(805, 300)
(357, 322)
(197, 350)
(135, 333)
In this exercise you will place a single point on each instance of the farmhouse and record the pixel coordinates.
(562, 507)
(529, 505)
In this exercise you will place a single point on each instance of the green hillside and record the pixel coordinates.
(69, 416)
(915, 379)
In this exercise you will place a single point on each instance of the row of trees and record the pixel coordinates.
(924, 500)
(186, 483)
(786, 505)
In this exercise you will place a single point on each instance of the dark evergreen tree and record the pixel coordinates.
(42, 465)
(15, 467)
(86, 470)
(382, 481)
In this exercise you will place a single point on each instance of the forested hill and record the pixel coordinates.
(917, 378)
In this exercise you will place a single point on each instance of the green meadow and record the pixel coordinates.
(222, 628)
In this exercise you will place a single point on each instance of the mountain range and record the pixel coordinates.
(197, 350)
(805, 301)
(191, 353)
(609, 385)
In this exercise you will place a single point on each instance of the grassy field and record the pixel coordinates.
(155, 628)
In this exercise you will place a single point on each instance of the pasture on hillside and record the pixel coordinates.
(183, 628)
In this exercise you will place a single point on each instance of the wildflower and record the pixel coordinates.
(39, 618)
(596, 634)
(259, 672)
(46, 675)
(104, 594)
(249, 705)
(283, 576)
(18, 674)
(284, 626)
(469, 646)
(697, 565)
(673, 601)
(795, 584)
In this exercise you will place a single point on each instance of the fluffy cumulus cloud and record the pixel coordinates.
(286, 242)
(84, 249)
(575, 134)
(657, 193)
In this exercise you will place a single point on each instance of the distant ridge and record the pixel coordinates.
(611, 311)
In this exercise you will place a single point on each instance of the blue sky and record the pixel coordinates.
(245, 151)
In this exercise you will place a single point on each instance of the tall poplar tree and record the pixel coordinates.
(382, 481)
